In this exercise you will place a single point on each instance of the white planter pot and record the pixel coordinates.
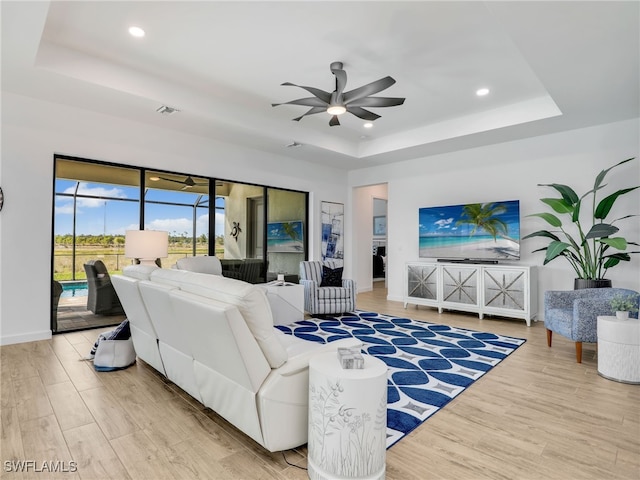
(622, 315)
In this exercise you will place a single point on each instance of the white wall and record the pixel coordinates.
(32, 131)
(504, 172)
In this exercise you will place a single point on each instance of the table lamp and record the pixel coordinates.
(146, 245)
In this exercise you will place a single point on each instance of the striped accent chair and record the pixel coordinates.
(325, 300)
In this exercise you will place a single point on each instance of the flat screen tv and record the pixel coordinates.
(471, 232)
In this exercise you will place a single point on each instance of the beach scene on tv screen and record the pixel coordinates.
(471, 231)
(285, 237)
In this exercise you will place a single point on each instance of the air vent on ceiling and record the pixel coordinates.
(165, 110)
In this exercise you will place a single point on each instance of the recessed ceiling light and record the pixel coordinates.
(136, 32)
(368, 125)
(154, 179)
(481, 92)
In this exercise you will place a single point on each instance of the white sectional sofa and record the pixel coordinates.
(214, 338)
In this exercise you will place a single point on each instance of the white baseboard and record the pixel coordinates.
(25, 337)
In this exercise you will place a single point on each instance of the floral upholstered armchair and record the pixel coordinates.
(574, 313)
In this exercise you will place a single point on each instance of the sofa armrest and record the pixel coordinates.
(311, 285)
(562, 299)
(300, 362)
(351, 285)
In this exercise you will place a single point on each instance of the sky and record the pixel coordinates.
(97, 216)
(441, 221)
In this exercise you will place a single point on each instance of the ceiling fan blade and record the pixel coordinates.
(368, 89)
(334, 121)
(321, 94)
(377, 102)
(308, 102)
(171, 180)
(362, 113)
(311, 112)
(341, 80)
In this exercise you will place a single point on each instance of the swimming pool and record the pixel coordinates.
(74, 289)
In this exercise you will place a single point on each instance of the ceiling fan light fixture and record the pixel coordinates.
(336, 109)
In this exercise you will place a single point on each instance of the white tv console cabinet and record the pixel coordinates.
(486, 289)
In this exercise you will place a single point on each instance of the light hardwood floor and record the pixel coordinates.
(537, 415)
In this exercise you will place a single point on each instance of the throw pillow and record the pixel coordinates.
(331, 277)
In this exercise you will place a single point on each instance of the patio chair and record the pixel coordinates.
(56, 292)
(102, 298)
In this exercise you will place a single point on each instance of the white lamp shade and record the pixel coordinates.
(146, 244)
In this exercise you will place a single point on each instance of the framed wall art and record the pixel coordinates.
(380, 225)
(332, 218)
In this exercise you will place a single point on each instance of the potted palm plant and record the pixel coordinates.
(591, 249)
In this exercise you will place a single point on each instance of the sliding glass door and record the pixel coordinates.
(93, 205)
(178, 204)
(257, 231)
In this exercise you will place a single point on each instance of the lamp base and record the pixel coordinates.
(148, 261)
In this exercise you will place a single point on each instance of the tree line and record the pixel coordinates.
(117, 241)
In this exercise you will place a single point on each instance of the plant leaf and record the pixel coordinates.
(558, 204)
(542, 233)
(549, 217)
(576, 212)
(567, 192)
(620, 256)
(555, 249)
(622, 218)
(618, 243)
(600, 230)
(600, 178)
(604, 207)
(611, 262)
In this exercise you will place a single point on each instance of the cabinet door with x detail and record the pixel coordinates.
(505, 288)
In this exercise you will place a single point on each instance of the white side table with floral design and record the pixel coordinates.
(619, 349)
(347, 419)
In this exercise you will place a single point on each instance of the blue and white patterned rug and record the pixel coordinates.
(429, 364)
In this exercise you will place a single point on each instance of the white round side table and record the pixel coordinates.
(347, 419)
(619, 349)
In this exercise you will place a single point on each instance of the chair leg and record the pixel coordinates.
(549, 335)
(579, 352)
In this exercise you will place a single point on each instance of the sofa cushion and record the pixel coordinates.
(201, 264)
(169, 276)
(140, 272)
(250, 300)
